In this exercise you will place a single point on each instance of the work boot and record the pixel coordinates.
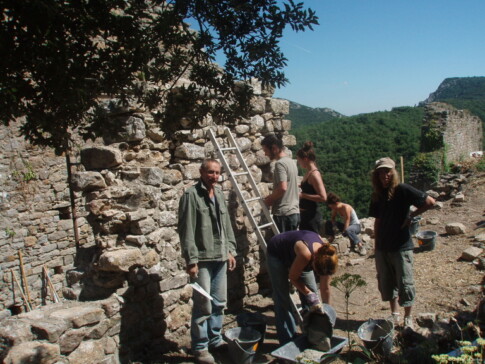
(204, 357)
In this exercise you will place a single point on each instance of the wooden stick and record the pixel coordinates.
(24, 277)
(402, 170)
(26, 303)
(50, 285)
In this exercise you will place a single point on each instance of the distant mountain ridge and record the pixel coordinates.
(301, 115)
(463, 88)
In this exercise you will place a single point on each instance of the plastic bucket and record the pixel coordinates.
(242, 343)
(254, 320)
(426, 239)
(377, 336)
(414, 227)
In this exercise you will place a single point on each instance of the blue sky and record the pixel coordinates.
(372, 55)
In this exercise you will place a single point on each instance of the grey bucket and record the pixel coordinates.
(426, 239)
(414, 226)
(377, 336)
(242, 343)
(318, 327)
(254, 320)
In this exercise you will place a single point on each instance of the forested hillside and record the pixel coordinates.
(347, 148)
(302, 115)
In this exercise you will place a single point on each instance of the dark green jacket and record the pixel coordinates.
(199, 234)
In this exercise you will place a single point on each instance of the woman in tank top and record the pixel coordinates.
(350, 225)
(298, 256)
(312, 189)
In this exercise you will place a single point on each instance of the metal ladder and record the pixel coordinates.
(269, 222)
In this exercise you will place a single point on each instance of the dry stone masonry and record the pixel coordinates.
(457, 131)
(126, 189)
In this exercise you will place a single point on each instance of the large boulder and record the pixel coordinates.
(100, 157)
(120, 260)
(87, 181)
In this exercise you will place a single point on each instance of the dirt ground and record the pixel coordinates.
(445, 285)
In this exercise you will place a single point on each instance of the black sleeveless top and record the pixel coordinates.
(305, 204)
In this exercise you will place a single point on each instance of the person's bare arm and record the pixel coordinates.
(302, 259)
(346, 213)
(316, 181)
(325, 289)
(277, 193)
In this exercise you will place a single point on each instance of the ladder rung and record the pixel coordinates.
(265, 225)
(240, 174)
(252, 199)
(229, 148)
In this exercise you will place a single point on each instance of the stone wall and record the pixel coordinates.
(460, 131)
(448, 136)
(35, 219)
(127, 189)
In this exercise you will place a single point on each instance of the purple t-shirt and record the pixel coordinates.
(282, 246)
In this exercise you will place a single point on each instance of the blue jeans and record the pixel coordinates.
(287, 223)
(207, 315)
(285, 321)
(352, 231)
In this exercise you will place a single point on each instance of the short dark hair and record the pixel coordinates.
(271, 140)
(332, 199)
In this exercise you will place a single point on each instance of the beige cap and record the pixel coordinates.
(385, 163)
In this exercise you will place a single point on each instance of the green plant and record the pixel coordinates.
(469, 353)
(481, 164)
(63, 55)
(29, 174)
(25, 175)
(428, 166)
(432, 138)
(347, 283)
(9, 232)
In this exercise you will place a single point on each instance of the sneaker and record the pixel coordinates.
(408, 322)
(395, 318)
(204, 357)
(361, 250)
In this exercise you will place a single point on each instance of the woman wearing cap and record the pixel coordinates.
(390, 206)
(312, 189)
(296, 255)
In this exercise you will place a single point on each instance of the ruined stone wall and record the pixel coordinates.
(127, 189)
(460, 131)
(35, 219)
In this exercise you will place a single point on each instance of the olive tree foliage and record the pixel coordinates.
(59, 58)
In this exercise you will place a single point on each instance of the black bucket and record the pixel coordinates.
(414, 226)
(426, 239)
(254, 320)
(377, 336)
(242, 344)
